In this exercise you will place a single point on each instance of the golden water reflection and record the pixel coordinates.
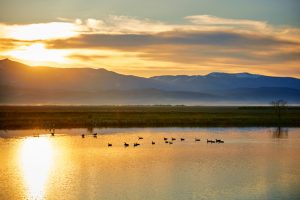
(35, 163)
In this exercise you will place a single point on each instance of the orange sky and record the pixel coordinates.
(144, 47)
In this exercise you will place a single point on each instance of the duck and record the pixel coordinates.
(197, 139)
(140, 138)
(153, 142)
(173, 138)
(166, 141)
(109, 144)
(126, 145)
(95, 135)
(182, 139)
(165, 138)
(82, 135)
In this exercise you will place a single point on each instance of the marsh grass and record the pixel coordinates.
(25, 117)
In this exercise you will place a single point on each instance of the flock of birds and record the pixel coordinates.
(166, 140)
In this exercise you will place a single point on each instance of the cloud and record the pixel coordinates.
(41, 31)
(203, 43)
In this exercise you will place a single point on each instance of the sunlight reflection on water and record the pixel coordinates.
(35, 163)
(251, 164)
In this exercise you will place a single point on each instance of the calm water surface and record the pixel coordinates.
(257, 163)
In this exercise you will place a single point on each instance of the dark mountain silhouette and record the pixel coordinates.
(21, 84)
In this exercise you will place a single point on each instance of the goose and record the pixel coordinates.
(219, 141)
(209, 141)
(109, 144)
(136, 144)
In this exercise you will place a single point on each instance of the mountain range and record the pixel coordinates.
(22, 84)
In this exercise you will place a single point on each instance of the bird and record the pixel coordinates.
(82, 135)
(219, 141)
(95, 135)
(125, 144)
(140, 138)
(197, 139)
(182, 139)
(170, 142)
(166, 142)
(52, 134)
(153, 142)
(109, 144)
(173, 138)
(136, 144)
(210, 141)
(165, 138)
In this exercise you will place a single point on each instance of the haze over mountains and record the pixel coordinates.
(21, 84)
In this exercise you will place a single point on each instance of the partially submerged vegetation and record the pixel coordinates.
(27, 117)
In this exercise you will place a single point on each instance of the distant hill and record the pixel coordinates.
(21, 84)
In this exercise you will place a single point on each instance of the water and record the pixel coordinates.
(257, 163)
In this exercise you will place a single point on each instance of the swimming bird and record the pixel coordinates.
(182, 139)
(165, 138)
(140, 138)
(95, 135)
(136, 144)
(82, 135)
(170, 142)
(109, 144)
(126, 145)
(219, 141)
(153, 142)
(166, 142)
(52, 134)
(173, 138)
(197, 139)
(209, 141)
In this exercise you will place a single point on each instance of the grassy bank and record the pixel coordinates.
(25, 117)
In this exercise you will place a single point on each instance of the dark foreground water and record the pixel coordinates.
(258, 163)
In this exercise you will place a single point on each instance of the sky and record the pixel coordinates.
(149, 38)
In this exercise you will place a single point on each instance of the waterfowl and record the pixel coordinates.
(166, 142)
(182, 139)
(153, 142)
(173, 138)
(52, 134)
(170, 142)
(219, 141)
(197, 139)
(209, 141)
(165, 138)
(136, 144)
(82, 135)
(126, 145)
(109, 144)
(95, 135)
(140, 138)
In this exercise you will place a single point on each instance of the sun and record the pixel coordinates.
(38, 54)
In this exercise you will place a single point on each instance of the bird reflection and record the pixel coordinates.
(280, 132)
